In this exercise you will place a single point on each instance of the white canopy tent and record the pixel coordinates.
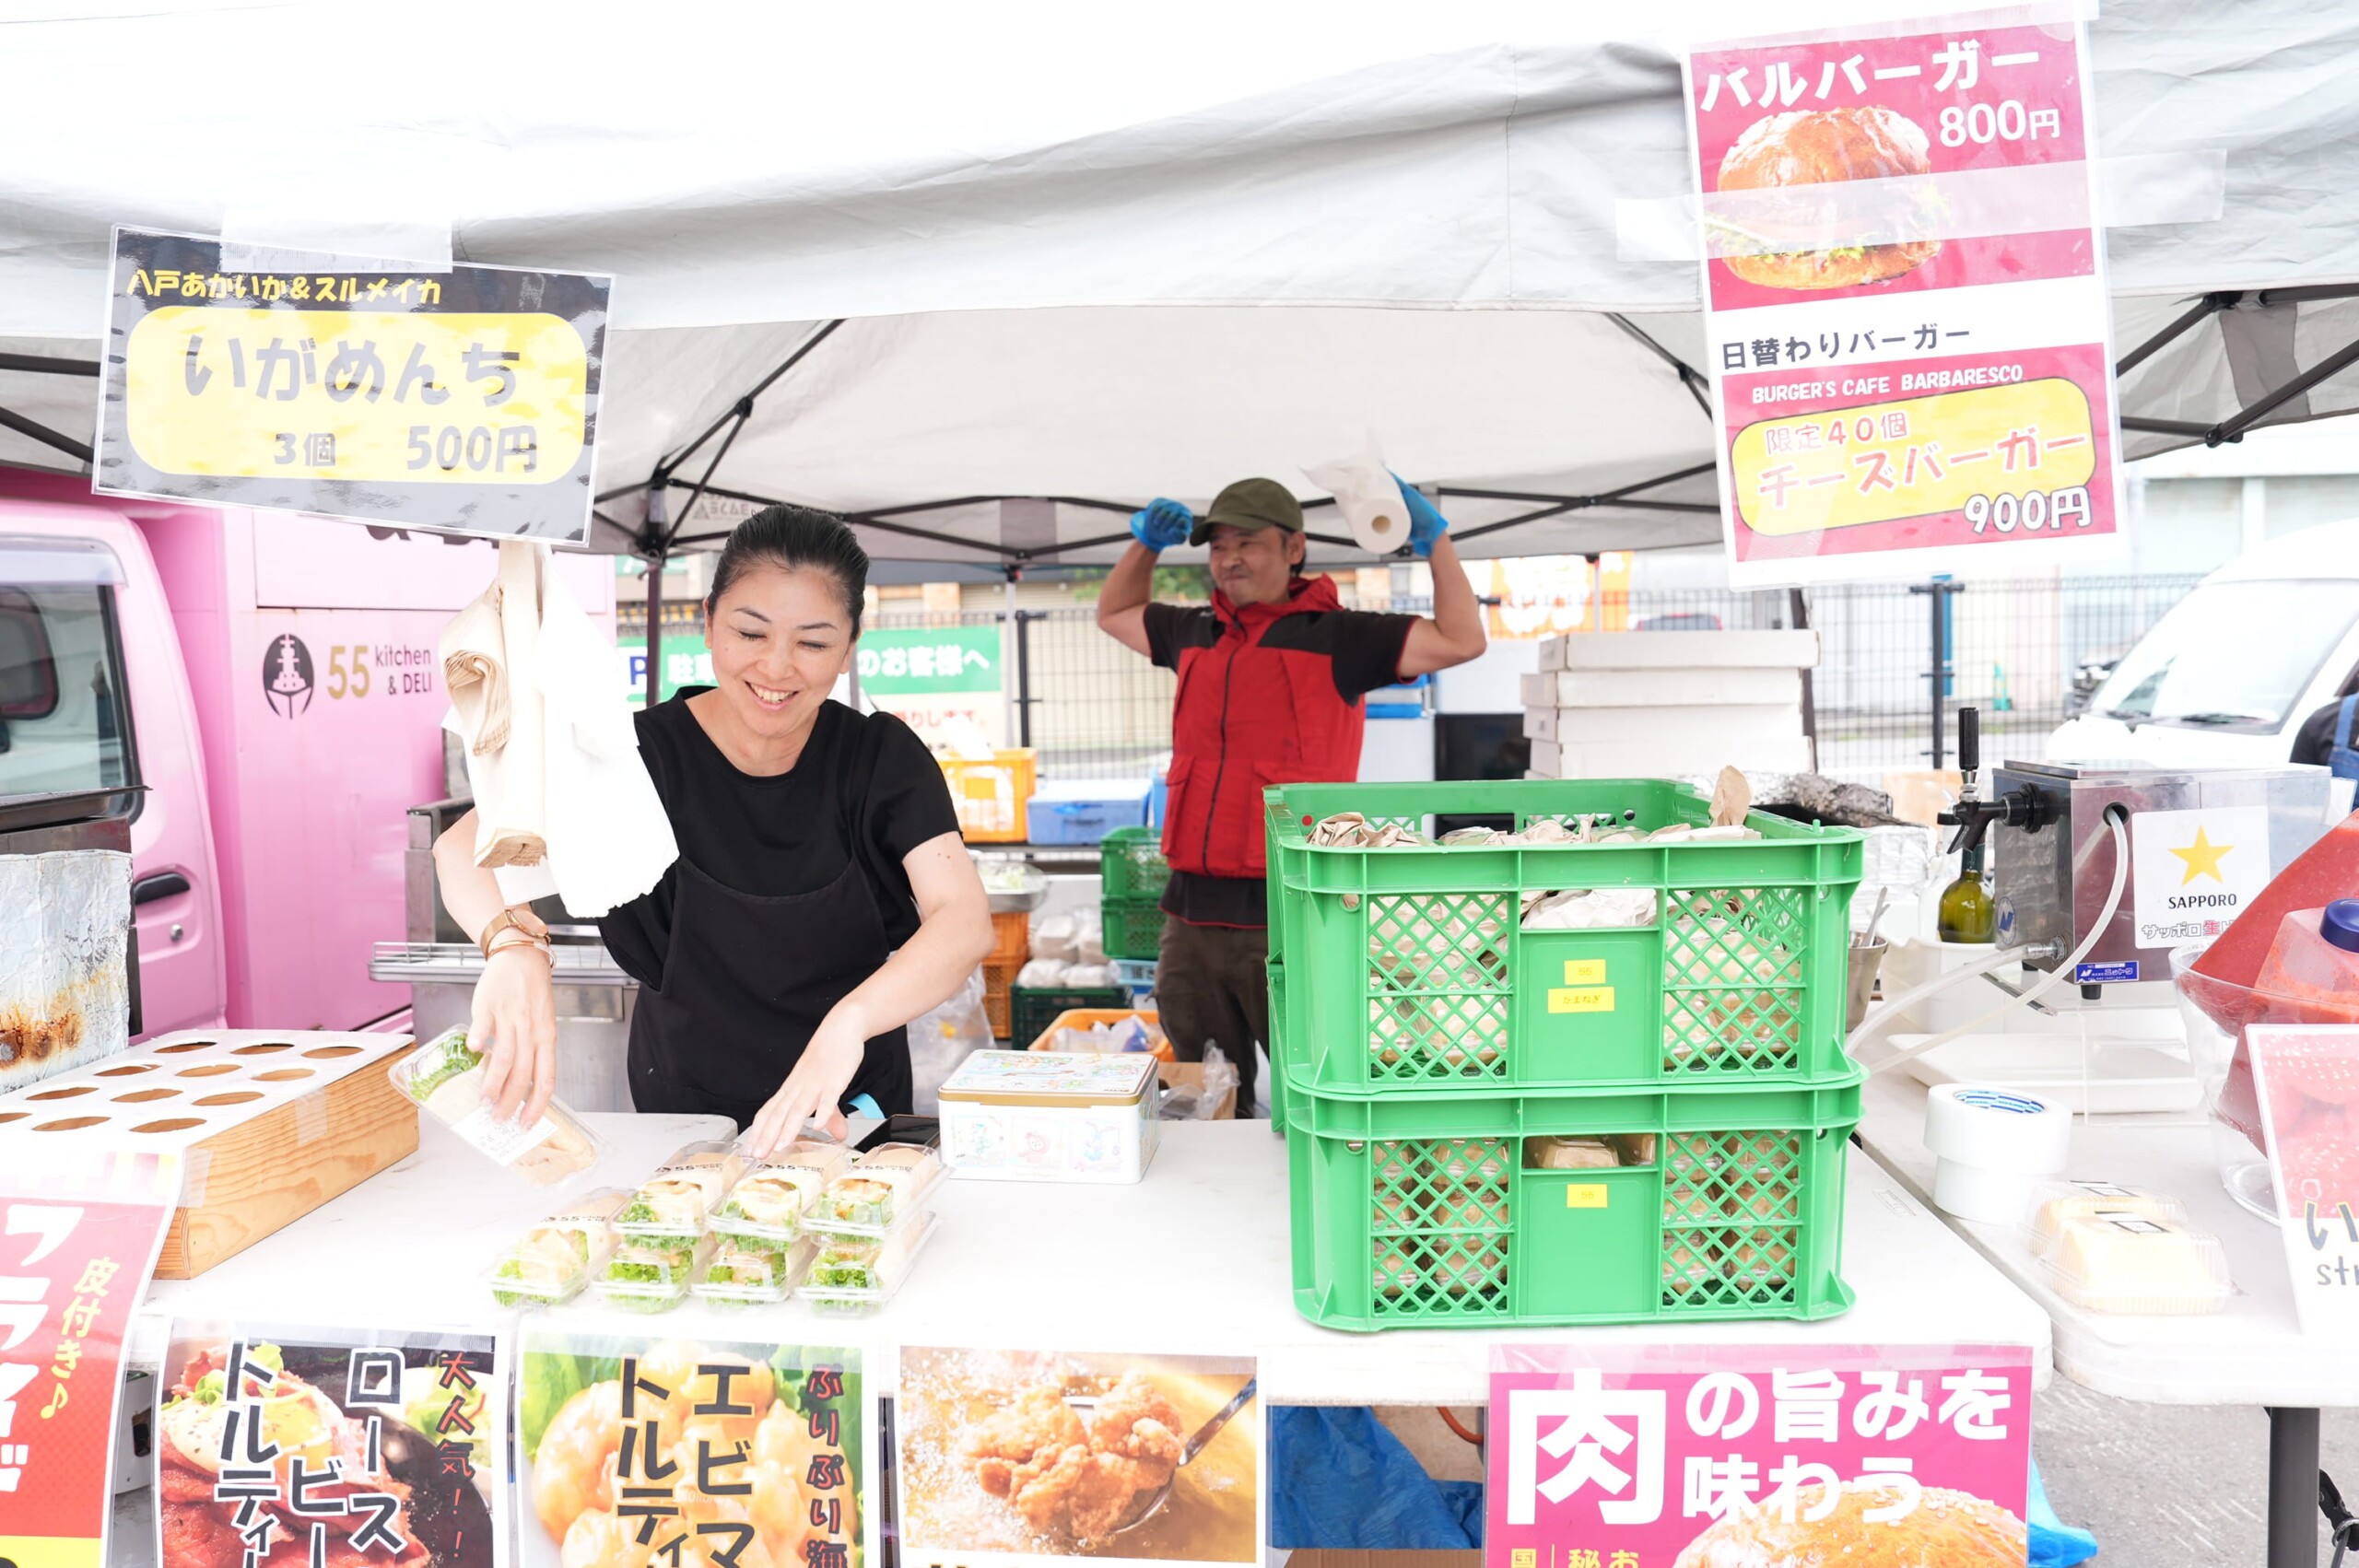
(985, 279)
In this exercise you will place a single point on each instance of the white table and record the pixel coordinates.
(2252, 1353)
(1195, 1258)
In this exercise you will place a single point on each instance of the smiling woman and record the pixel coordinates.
(822, 898)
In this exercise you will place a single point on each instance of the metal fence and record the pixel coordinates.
(1094, 709)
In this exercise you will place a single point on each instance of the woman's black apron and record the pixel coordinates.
(747, 981)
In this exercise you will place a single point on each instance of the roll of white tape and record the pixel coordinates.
(1990, 1147)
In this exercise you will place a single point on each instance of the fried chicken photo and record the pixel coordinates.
(1084, 1481)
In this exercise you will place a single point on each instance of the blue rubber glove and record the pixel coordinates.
(1162, 524)
(1425, 525)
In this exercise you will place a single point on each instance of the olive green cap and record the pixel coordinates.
(1251, 503)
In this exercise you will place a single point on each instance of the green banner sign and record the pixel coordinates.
(927, 660)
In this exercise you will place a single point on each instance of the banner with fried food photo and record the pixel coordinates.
(1023, 1457)
(634, 1452)
(286, 1447)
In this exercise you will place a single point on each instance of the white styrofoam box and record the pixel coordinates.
(1050, 1115)
(1731, 725)
(1657, 759)
(1659, 688)
(1397, 750)
(1681, 650)
(1487, 684)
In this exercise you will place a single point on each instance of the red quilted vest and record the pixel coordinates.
(1247, 717)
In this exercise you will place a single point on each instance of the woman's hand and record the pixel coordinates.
(514, 1023)
(814, 1090)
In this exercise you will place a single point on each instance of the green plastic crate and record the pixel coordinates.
(1033, 1008)
(1409, 968)
(1416, 1210)
(1132, 928)
(1130, 865)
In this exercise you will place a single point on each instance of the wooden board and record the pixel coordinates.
(266, 1173)
(270, 1124)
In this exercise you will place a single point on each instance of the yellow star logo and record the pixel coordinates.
(2203, 858)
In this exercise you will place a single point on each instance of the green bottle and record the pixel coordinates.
(1968, 913)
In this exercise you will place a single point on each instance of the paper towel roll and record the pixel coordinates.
(1369, 498)
(1990, 1147)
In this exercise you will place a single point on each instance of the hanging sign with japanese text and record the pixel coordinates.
(650, 1452)
(79, 1239)
(1906, 315)
(462, 401)
(287, 1446)
(1636, 1457)
(927, 660)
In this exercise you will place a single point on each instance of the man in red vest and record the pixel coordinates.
(1272, 674)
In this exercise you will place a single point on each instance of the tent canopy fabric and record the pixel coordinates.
(1029, 274)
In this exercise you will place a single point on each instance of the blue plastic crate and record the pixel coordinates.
(1082, 811)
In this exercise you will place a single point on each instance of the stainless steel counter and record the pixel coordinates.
(593, 1006)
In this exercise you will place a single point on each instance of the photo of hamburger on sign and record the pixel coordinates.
(1822, 148)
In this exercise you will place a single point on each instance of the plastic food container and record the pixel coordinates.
(751, 1273)
(551, 1262)
(684, 1189)
(2121, 1249)
(1050, 1115)
(857, 1275)
(650, 1275)
(445, 1077)
(766, 1204)
(885, 1186)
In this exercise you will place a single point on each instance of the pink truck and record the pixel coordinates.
(284, 708)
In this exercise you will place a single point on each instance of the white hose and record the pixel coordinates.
(1885, 1015)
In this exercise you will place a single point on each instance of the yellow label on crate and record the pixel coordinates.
(2032, 442)
(1581, 999)
(1585, 1195)
(1584, 971)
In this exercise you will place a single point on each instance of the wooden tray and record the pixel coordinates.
(271, 1124)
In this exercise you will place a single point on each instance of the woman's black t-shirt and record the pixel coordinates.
(865, 786)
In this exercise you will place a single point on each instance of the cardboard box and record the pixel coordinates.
(1660, 688)
(1675, 757)
(1681, 650)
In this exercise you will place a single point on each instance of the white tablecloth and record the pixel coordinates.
(1194, 1259)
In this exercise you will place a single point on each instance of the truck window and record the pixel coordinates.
(2234, 655)
(64, 723)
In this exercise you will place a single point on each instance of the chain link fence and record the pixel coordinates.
(2024, 652)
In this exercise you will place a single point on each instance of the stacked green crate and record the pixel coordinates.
(1130, 874)
(1423, 1035)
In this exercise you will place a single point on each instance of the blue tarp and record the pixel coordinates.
(1345, 1482)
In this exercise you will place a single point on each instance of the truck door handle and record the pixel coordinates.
(163, 884)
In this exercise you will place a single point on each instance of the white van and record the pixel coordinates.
(2227, 676)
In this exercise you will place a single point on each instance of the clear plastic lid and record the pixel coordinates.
(685, 1188)
(860, 1274)
(742, 1273)
(768, 1201)
(445, 1077)
(647, 1275)
(2055, 1202)
(2128, 1263)
(885, 1186)
(551, 1262)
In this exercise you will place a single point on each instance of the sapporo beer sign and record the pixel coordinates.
(462, 401)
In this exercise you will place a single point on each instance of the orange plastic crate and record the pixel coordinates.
(990, 796)
(1012, 939)
(997, 1004)
(1090, 1017)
